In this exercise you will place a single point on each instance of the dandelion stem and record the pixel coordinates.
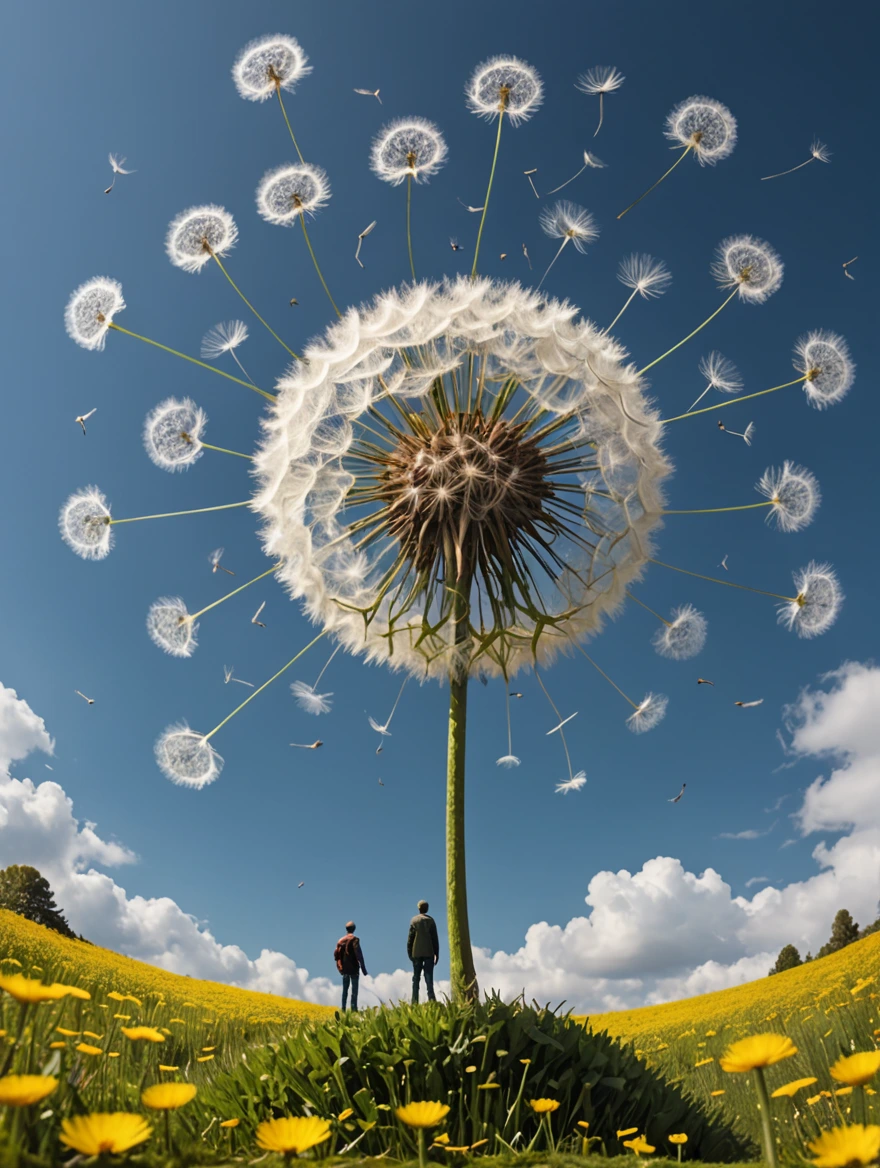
(683, 154)
(172, 514)
(408, 221)
(253, 310)
(488, 193)
(700, 398)
(716, 510)
(601, 119)
(287, 122)
(553, 261)
(302, 220)
(396, 700)
(708, 320)
(605, 675)
(793, 169)
(559, 716)
(251, 697)
(325, 666)
(194, 360)
(223, 450)
(629, 301)
(509, 735)
(565, 184)
(234, 592)
(764, 1107)
(692, 413)
(660, 618)
(715, 580)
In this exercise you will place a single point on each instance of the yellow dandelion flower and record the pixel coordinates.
(112, 1054)
(844, 1146)
(292, 1135)
(639, 1145)
(131, 998)
(116, 996)
(760, 1050)
(168, 1096)
(440, 1140)
(469, 1070)
(626, 1131)
(543, 1106)
(60, 1045)
(584, 1123)
(10, 961)
(204, 1058)
(715, 1094)
(450, 1148)
(870, 1091)
(73, 992)
(489, 1087)
(23, 1090)
(663, 1046)
(844, 1091)
(678, 1138)
(91, 1034)
(205, 1049)
(704, 1062)
(142, 1033)
(230, 1122)
(425, 1114)
(478, 1144)
(87, 1048)
(827, 1032)
(857, 1069)
(182, 1021)
(711, 1033)
(165, 1030)
(163, 1067)
(814, 1099)
(700, 1044)
(28, 989)
(787, 1090)
(95, 1135)
(67, 1033)
(346, 1114)
(526, 1062)
(123, 1017)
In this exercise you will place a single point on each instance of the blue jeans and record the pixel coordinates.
(350, 979)
(423, 965)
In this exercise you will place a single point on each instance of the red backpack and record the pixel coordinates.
(345, 954)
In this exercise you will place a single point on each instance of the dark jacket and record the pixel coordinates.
(348, 955)
(422, 940)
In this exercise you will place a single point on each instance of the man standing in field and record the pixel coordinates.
(349, 959)
(423, 950)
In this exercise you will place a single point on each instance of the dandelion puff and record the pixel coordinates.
(648, 714)
(573, 784)
(818, 602)
(172, 433)
(310, 701)
(84, 522)
(268, 62)
(171, 627)
(408, 148)
(749, 265)
(287, 192)
(504, 83)
(567, 221)
(196, 233)
(825, 361)
(794, 496)
(720, 373)
(644, 274)
(90, 311)
(597, 82)
(187, 758)
(683, 637)
(819, 152)
(507, 761)
(705, 126)
(223, 338)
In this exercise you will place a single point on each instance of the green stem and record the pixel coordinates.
(708, 320)
(764, 1104)
(22, 1019)
(488, 193)
(287, 123)
(223, 450)
(732, 400)
(193, 360)
(253, 310)
(683, 154)
(629, 301)
(408, 221)
(423, 1155)
(302, 219)
(234, 592)
(168, 1144)
(462, 974)
(726, 583)
(716, 510)
(172, 514)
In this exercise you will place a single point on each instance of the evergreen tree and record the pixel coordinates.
(788, 958)
(24, 891)
(844, 931)
(875, 928)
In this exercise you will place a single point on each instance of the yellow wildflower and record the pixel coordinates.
(74, 992)
(704, 1062)
(116, 996)
(346, 1114)
(489, 1087)
(204, 1058)
(163, 1067)
(844, 1091)
(584, 1123)
(205, 1049)
(67, 1033)
(230, 1122)
(478, 1144)
(87, 1048)
(292, 1135)
(639, 1145)
(23, 1090)
(131, 998)
(91, 1034)
(142, 1033)
(112, 1054)
(28, 989)
(182, 1021)
(844, 1146)
(857, 1069)
(168, 1096)
(714, 1094)
(525, 1062)
(425, 1114)
(711, 1033)
(123, 1017)
(760, 1050)
(442, 1139)
(789, 1089)
(94, 1135)
(679, 1138)
(60, 1045)
(814, 1099)
(543, 1106)
(469, 1070)
(626, 1131)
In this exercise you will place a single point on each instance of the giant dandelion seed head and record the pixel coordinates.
(794, 494)
(649, 713)
(198, 233)
(172, 433)
(287, 192)
(705, 125)
(90, 311)
(720, 373)
(171, 627)
(750, 265)
(601, 79)
(824, 360)
(527, 507)
(645, 275)
(818, 602)
(269, 63)
(223, 338)
(684, 636)
(408, 148)
(84, 523)
(565, 220)
(504, 84)
(187, 758)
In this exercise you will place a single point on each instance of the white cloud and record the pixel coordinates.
(751, 833)
(757, 880)
(654, 935)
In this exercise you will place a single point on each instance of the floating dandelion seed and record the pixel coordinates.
(564, 722)
(590, 161)
(794, 496)
(823, 358)
(84, 523)
(214, 560)
(187, 758)
(172, 433)
(369, 93)
(570, 223)
(223, 338)
(719, 374)
(819, 152)
(750, 705)
(684, 636)
(573, 784)
(89, 701)
(599, 81)
(747, 435)
(648, 714)
(117, 168)
(817, 604)
(363, 235)
(199, 233)
(748, 265)
(646, 276)
(255, 618)
(267, 63)
(171, 627)
(678, 797)
(310, 701)
(83, 418)
(508, 760)
(287, 193)
(408, 148)
(90, 311)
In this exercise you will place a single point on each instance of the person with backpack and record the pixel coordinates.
(349, 959)
(423, 950)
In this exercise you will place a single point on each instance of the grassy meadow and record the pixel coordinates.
(129, 1026)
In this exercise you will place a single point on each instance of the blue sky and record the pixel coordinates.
(152, 82)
